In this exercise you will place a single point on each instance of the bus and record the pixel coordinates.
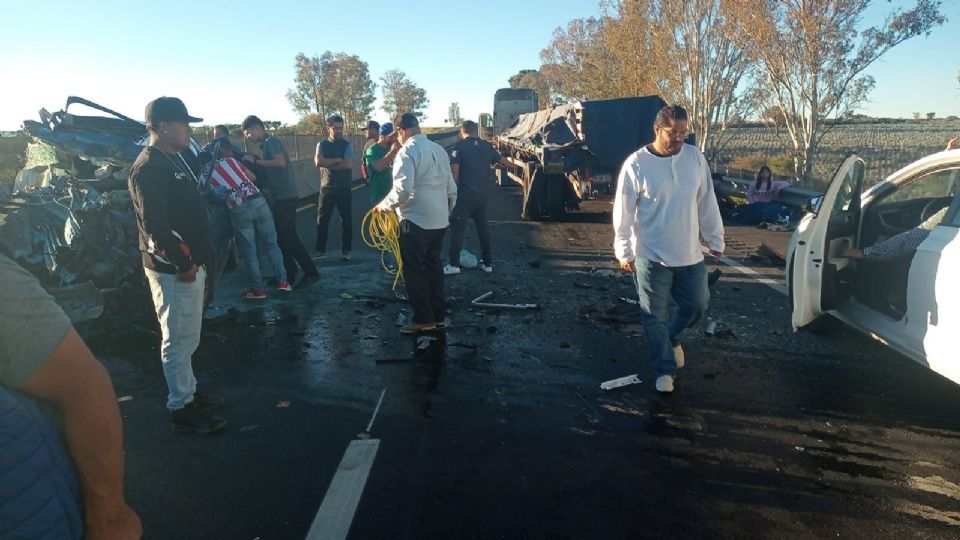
(509, 104)
(486, 126)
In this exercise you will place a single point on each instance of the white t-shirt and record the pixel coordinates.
(663, 206)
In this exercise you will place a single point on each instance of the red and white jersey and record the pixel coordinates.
(229, 173)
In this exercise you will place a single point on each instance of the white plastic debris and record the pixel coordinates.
(622, 381)
(467, 259)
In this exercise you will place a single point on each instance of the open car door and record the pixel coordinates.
(819, 281)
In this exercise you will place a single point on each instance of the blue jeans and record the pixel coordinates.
(253, 226)
(657, 285)
(179, 309)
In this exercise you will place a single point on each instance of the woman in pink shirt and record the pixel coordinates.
(762, 196)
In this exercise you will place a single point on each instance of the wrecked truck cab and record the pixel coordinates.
(69, 219)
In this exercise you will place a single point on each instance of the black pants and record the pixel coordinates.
(422, 271)
(341, 199)
(293, 250)
(468, 207)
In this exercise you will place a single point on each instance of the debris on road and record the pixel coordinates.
(622, 381)
(423, 342)
(479, 302)
(121, 399)
(283, 404)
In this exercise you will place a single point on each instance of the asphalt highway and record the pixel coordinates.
(498, 427)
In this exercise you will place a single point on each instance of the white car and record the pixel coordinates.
(911, 303)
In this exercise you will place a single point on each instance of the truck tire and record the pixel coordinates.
(555, 192)
(531, 204)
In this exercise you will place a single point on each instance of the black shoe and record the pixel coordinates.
(307, 281)
(193, 419)
(207, 402)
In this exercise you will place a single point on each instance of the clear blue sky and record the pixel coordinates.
(229, 59)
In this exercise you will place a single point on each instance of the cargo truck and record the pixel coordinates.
(570, 153)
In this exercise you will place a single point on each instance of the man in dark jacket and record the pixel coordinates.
(175, 242)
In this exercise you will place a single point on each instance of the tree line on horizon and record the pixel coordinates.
(340, 83)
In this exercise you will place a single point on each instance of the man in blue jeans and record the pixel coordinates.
(251, 220)
(664, 204)
(175, 244)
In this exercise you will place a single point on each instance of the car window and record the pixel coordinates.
(943, 183)
(849, 187)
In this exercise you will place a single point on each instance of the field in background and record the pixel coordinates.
(885, 147)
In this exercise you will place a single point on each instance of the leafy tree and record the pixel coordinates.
(514, 80)
(311, 93)
(578, 64)
(332, 83)
(931, 115)
(532, 78)
(811, 57)
(683, 50)
(351, 90)
(401, 95)
(453, 114)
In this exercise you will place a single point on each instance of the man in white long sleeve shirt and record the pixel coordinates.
(664, 205)
(423, 195)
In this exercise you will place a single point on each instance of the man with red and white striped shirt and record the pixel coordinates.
(251, 219)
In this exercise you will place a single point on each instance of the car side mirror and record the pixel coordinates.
(813, 205)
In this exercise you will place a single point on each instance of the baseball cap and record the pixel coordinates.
(372, 124)
(168, 109)
(386, 128)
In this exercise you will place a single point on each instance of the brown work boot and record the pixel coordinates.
(416, 328)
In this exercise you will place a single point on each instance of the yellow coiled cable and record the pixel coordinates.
(381, 230)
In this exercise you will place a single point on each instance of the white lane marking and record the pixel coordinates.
(376, 410)
(335, 516)
(772, 283)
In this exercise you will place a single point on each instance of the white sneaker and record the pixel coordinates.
(665, 384)
(486, 268)
(678, 356)
(450, 270)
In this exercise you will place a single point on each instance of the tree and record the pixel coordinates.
(916, 116)
(453, 114)
(514, 80)
(310, 93)
(400, 94)
(683, 50)
(534, 79)
(332, 83)
(931, 115)
(578, 64)
(811, 58)
(351, 90)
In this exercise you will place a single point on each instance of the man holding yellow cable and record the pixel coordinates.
(423, 195)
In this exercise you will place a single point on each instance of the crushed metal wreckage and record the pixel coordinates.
(69, 219)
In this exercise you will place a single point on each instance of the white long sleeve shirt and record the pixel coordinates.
(423, 188)
(663, 206)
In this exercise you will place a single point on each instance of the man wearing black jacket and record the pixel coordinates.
(175, 242)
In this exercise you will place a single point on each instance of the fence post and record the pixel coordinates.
(296, 145)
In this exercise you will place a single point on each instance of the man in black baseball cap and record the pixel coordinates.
(168, 109)
(176, 247)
